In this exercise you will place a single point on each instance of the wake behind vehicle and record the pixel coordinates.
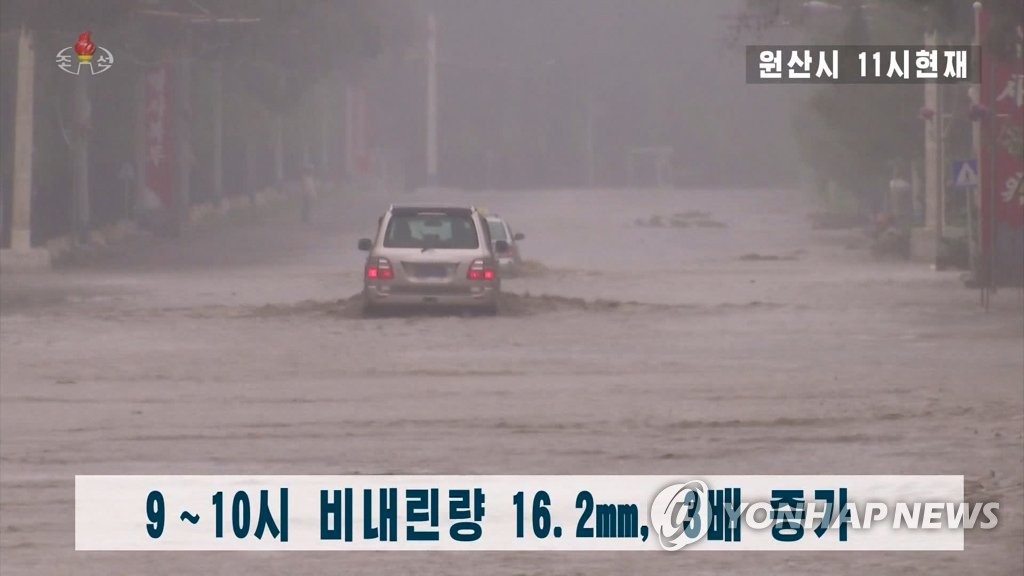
(431, 256)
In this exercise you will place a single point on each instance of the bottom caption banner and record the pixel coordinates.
(600, 513)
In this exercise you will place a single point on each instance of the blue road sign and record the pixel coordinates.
(965, 173)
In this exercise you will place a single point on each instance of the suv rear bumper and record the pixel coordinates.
(485, 296)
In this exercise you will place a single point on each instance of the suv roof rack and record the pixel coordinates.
(407, 210)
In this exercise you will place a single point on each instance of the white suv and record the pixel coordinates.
(431, 256)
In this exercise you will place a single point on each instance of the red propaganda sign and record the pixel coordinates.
(160, 144)
(1002, 163)
(1002, 92)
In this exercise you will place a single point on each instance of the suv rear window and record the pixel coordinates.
(431, 230)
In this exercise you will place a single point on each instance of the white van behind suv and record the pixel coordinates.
(430, 256)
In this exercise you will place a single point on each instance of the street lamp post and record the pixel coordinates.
(431, 99)
(978, 267)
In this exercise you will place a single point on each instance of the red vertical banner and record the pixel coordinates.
(160, 144)
(1002, 159)
(1008, 140)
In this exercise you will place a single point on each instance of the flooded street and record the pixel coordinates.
(651, 332)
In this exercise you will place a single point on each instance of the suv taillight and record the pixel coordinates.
(379, 269)
(480, 271)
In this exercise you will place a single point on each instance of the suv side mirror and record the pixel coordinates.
(501, 246)
(365, 244)
(519, 236)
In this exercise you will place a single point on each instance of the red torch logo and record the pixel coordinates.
(84, 55)
(84, 47)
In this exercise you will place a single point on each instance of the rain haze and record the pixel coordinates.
(231, 245)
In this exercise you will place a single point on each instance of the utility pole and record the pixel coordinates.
(277, 127)
(326, 121)
(80, 158)
(138, 203)
(975, 241)
(21, 201)
(183, 132)
(934, 169)
(942, 125)
(21, 254)
(431, 99)
(590, 141)
(350, 130)
(218, 129)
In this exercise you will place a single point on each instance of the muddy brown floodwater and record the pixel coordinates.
(751, 346)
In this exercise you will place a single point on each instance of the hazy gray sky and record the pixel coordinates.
(659, 72)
